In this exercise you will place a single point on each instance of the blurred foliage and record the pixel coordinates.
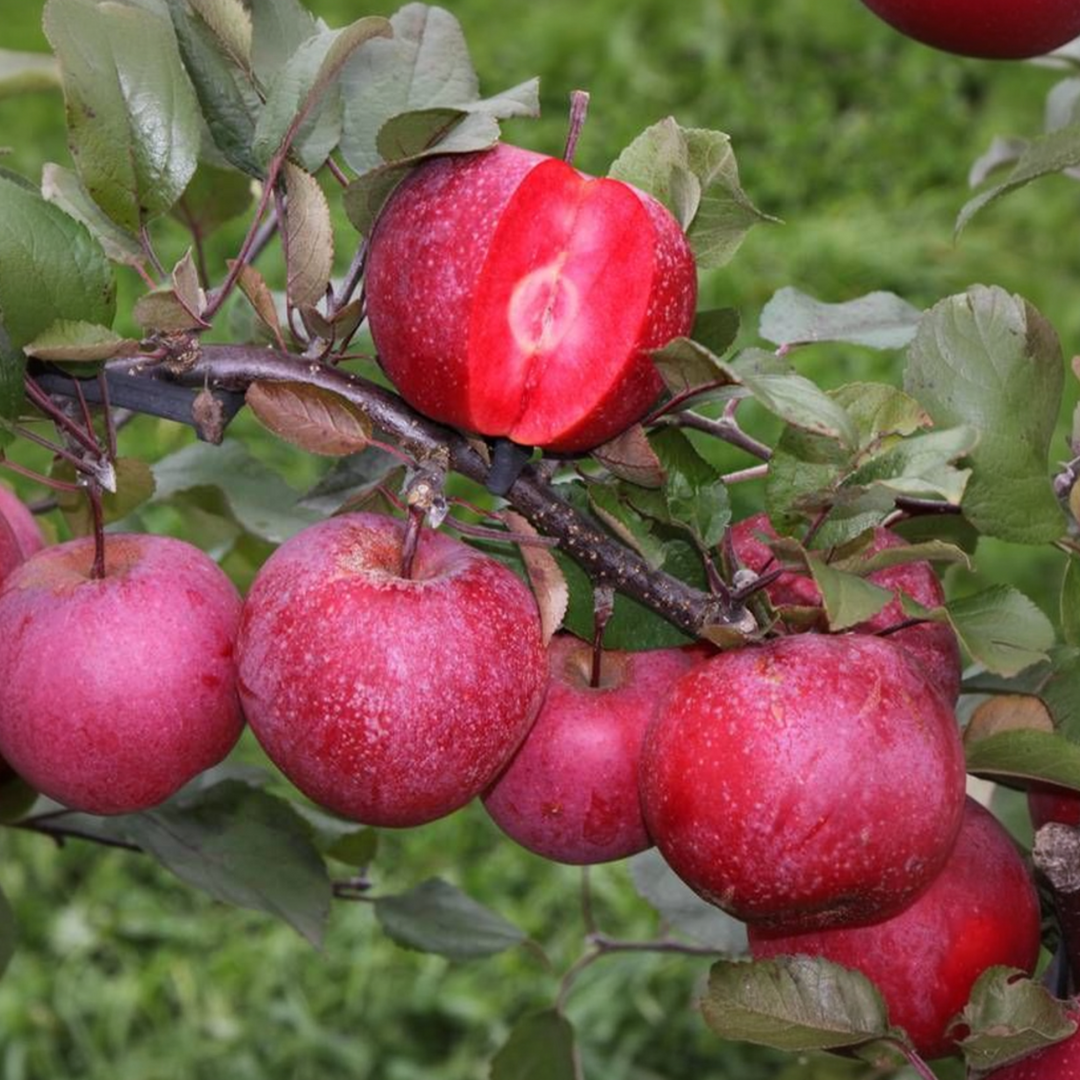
(860, 141)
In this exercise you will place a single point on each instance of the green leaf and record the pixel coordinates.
(622, 519)
(990, 361)
(25, 72)
(794, 1003)
(133, 119)
(696, 498)
(1070, 602)
(295, 97)
(162, 310)
(1025, 754)
(424, 67)
(133, 483)
(230, 23)
(258, 498)
(78, 340)
(365, 196)
(848, 598)
(1009, 1015)
(684, 365)
(693, 172)
(64, 188)
(278, 29)
(436, 917)
(309, 237)
(881, 320)
(244, 847)
(716, 329)
(50, 268)
(1000, 628)
(680, 907)
(540, 1047)
(1050, 153)
(214, 196)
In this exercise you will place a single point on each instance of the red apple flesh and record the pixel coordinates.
(933, 645)
(570, 793)
(992, 29)
(510, 295)
(114, 692)
(1058, 1062)
(22, 522)
(811, 781)
(391, 700)
(982, 910)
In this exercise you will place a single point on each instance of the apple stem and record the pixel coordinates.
(97, 571)
(579, 110)
(914, 1060)
(603, 608)
(413, 524)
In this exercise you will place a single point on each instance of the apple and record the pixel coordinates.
(392, 700)
(11, 552)
(992, 29)
(1058, 1062)
(982, 910)
(570, 793)
(22, 521)
(115, 691)
(510, 295)
(810, 781)
(1048, 802)
(933, 645)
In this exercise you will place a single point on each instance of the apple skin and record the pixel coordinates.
(1048, 802)
(933, 645)
(991, 29)
(392, 701)
(980, 911)
(23, 523)
(811, 781)
(1058, 1062)
(114, 692)
(11, 552)
(570, 793)
(510, 295)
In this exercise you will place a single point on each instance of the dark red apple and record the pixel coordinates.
(570, 793)
(116, 691)
(933, 645)
(391, 700)
(1058, 1062)
(992, 29)
(22, 521)
(980, 911)
(1048, 802)
(811, 781)
(511, 295)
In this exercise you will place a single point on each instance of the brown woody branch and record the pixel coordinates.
(227, 370)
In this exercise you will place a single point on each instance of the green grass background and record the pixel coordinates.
(860, 141)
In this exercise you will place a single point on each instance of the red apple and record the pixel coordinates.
(11, 552)
(391, 700)
(22, 522)
(811, 781)
(511, 295)
(933, 645)
(980, 911)
(1048, 802)
(570, 793)
(1058, 1062)
(993, 29)
(114, 692)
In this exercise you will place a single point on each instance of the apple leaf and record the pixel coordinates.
(990, 361)
(1025, 755)
(881, 320)
(278, 29)
(1047, 154)
(545, 577)
(25, 72)
(695, 497)
(1009, 1016)
(716, 329)
(75, 340)
(64, 188)
(162, 310)
(619, 515)
(317, 420)
(684, 365)
(351, 479)
(436, 917)
(630, 457)
(300, 111)
(133, 483)
(257, 498)
(794, 1003)
(848, 598)
(309, 237)
(133, 118)
(540, 1047)
(681, 908)
(213, 197)
(259, 295)
(50, 268)
(693, 172)
(9, 932)
(230, 23)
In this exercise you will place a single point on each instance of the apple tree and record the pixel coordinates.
(517, 575)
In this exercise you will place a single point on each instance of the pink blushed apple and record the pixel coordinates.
(981, 911)
(510, 295)
(570, 793)
(22, 522)
(116, 691)
(809, 781)
(390, 699)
